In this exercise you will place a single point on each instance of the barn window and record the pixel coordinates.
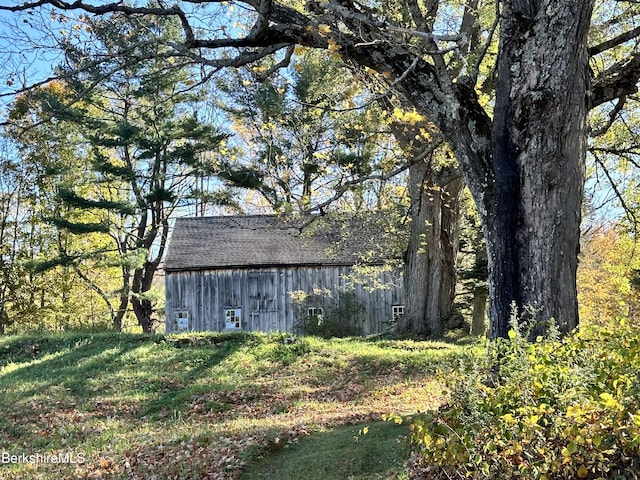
(315, 312)
(181, 321)
(232, 318)
(398, 312)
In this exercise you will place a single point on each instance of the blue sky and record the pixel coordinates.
(24, 58)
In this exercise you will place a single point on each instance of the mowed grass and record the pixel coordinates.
(214, 406)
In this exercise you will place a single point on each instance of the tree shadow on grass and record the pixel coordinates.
(80, 369)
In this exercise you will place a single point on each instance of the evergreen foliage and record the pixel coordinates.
(293, 146)
(141, 150)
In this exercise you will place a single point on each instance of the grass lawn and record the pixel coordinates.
(213, 406)
(375, 451)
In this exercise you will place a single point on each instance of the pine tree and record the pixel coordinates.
(145, 149)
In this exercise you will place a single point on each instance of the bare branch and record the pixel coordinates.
(430, 36)
(629, 213)
(613, 114)
(416, 14)
(470, 28)
(372, 100)
(621, 152)
(476, 68)
(240, 60)
(344, 188)
(281, 64)
(113, 7)
(614, 42)
(116, 7)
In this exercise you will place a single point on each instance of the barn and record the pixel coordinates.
(260, 273)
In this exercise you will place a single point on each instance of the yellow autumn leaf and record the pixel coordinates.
(411, 117)
(324, 29)
(333, 46)
(508, 418)
(610, 402)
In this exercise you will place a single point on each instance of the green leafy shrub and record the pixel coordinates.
(552, 409)
(341, 317)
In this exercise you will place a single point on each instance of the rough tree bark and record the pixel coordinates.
(479, 305)
(532, 212)
(124, 298)
(142, 280)
(143, 307)
(430, 274)
(525, 168)
(430, 258)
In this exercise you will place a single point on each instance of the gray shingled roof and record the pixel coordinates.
(254, 241)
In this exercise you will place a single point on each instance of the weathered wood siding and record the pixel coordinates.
(264, 297)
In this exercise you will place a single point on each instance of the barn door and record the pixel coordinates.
(263, 304)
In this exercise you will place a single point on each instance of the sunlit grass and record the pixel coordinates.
(195, 406)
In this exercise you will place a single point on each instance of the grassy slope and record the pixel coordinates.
(204, 406)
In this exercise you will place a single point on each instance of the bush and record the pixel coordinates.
(553, 409)
(339, 318)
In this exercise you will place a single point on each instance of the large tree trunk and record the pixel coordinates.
(430, 259)
(124, 299)
(142, 280)
(121, 311)
(532, 215)
(480, 292)
(524, 167)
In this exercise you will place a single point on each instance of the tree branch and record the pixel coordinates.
(344, 188)
(116, 7)
(618, 80)
(96, 288)
(612, 117)
(614, 42)
(281, 64)
(629, 213)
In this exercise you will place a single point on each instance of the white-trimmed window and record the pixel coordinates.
(181, 321)
(232, 318)
(397, 312)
